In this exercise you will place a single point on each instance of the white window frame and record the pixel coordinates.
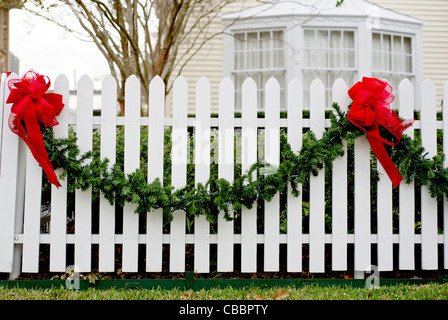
(384, 74)
(328, 70)
(259, 71)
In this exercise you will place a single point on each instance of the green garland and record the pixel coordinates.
(219, 194)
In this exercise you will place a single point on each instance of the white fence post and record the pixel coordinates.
(406, 191)
(317, 183)
(83, 199)
(362, 206)
(131, 163)
(249, 157)
(106, 259)
(202, 173)
(339, 190)
(272, 156)
(154, 221)
(429, 204)
(179, 172)
(294, 214)
(58, 222)
(226, 133)
(12, 170)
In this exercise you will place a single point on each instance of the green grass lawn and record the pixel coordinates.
(308, 292)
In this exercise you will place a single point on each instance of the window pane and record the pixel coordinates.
(386, 61)
(309, 39)
(309, 60)
(239, 41)
(265, 40)
(397, 63)
(335, 39)
(279, 60)
(239, 79)
(376, 41)
(265, 60)
(407, 64)
(386, 43)
(322, 39)
(278, 39)
(321, 58)
(335, 58)
(252, 54)
(376, 61)
(349, 59)
(264, 77)
(397, 44)
(252, 41)
(335, 45)
(407, 46)
(349, 39)
(239, 60)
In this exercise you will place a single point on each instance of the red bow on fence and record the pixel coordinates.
(31, 105)
(370, 110)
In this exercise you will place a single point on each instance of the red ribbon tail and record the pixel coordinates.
(37, 147)
(380, 152)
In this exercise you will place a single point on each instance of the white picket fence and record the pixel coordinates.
(20, 187)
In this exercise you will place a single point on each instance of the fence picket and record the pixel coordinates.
(202, 173)
(106, 259)
(179, 172)
(8, 183)
(154, 220)
(362, 206)
(249, 157)
(294, 214)
(225, 170)
(428, 204)
(406, 204)
(272, 156)
(317, 183)
(445, 151)
(131, 163)
(339, 190)
(2, 112)
(83, 199)
(31, 218)
(58, 222)
(384, 221)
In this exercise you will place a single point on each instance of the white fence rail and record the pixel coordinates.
(20, 188)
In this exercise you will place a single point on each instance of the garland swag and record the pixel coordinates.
(221, 195)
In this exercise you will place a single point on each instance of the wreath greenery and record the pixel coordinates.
(88, 170)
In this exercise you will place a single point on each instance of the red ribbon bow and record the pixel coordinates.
(31, 105)
(370, 110)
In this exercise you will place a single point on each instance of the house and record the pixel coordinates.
(311, 39)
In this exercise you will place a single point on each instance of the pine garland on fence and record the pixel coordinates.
(88, 170)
